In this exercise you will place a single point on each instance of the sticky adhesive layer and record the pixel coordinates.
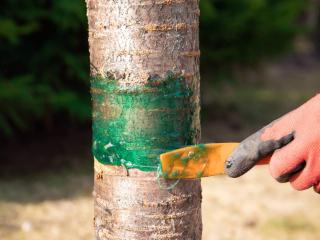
(132, 126)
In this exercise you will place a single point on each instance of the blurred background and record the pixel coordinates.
(259, 59)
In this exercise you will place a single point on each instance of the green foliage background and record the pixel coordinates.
(44, 66)
(245, 31)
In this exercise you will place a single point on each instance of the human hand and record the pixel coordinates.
(292, 141)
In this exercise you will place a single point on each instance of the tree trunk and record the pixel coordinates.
(144, 58)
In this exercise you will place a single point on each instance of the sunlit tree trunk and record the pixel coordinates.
(144, 58)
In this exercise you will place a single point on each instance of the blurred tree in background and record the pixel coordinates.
(44, 65)
(244, 32)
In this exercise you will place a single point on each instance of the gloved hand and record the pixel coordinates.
(294, 143)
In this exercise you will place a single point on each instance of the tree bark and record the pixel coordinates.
(144, 57)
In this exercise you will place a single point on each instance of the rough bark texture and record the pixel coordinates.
(135, 208)
(137, 39)
(136, 43)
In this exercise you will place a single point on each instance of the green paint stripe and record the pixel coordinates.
(134, 125)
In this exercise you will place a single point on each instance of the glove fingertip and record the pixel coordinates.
(236, 167)
(229, 169)
(286, 139)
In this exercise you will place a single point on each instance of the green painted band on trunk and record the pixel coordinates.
(132, 126)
